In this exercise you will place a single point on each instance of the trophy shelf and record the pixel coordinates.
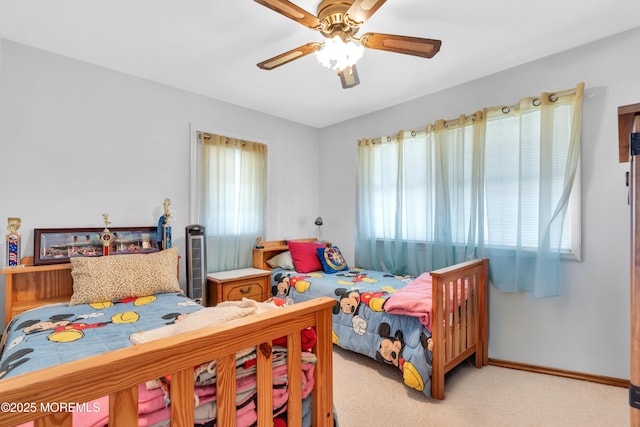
(29, 286)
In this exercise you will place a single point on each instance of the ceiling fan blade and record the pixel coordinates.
(349, 77)
(361, 10)
(289, 56)
(416, 46)
(292, 11)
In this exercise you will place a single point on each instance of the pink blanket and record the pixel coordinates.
(415, 300)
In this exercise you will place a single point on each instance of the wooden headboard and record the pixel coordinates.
(271, 249)
(30, 286)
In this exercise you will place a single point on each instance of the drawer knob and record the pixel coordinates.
(245, 291)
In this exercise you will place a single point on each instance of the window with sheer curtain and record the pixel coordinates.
(493, 184)
(504, 160)
(230, 198)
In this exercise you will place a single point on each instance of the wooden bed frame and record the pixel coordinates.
(39, 395)
(452, 344)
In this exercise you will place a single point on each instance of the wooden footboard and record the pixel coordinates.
(460, 320)
(40, 395)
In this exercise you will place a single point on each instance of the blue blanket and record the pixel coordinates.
(360, 323)
(57, 333)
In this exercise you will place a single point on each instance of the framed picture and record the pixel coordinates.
(58, 245)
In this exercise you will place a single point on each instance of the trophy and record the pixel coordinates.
(105, 237)
(13, 242)
(164, 227)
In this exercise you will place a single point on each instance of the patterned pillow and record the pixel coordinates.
(331, 259)
(110, 278)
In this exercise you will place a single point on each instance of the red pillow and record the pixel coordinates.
(304, 256)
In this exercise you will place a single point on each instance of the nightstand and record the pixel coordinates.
(233, 285)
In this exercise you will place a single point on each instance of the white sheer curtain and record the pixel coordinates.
(496, 183)
(232, 193)
(531, 167)
(418, 196)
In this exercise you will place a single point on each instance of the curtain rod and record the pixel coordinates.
(228, 140)
(552, 97)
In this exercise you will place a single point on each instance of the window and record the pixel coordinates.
(502, 183)
(229, 197)
(513, 184)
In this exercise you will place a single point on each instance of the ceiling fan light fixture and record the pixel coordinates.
(338, 55)
(339, 21)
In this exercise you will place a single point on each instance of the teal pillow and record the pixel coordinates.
(331, 259)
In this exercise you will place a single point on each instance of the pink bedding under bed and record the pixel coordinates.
(154, 410)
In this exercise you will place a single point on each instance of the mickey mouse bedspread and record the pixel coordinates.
(360, 323)
(53, 334)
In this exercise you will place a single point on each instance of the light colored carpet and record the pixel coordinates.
(367, 393)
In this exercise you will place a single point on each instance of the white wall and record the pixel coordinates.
(586, 329)
(77, 140)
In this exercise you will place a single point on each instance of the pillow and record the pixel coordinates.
(110, 278)
(304, 256)
(331, 259)
(282, 260)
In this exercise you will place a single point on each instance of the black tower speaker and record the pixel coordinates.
(196, 264)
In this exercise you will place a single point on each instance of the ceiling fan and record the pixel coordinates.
(339, 21)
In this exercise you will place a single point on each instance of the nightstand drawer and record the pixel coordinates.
(249, 288)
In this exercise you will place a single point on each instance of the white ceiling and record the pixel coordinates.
(211, 47)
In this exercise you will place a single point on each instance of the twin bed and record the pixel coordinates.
(402, 321)
(138, 360)
(143, 363)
